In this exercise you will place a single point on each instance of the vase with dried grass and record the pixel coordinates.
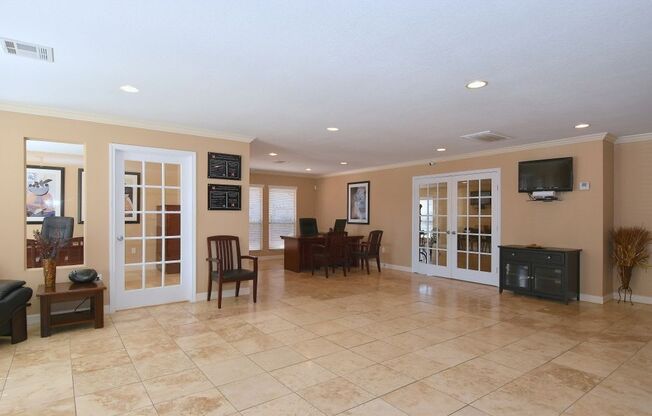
(630, 250)
(48, 248)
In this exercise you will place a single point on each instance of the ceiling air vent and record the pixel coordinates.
(28, 50)
(280, 161)
(486, 136)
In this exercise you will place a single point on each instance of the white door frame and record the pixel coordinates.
(452, 221)
(189, 181)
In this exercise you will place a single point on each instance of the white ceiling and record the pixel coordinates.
(389, 74)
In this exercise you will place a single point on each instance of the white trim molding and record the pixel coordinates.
(123, 122)
(636, 298)
(482, 153)
(634, 138)
(398, 267)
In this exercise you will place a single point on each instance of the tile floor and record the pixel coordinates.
(385, 344)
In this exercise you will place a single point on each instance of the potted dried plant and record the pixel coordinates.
(630, 250)
(48, 250)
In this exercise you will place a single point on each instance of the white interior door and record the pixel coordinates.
(152, 227)
(456, 229)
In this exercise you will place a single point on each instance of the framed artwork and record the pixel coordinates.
(44, 193)
(224, 166)
(81, 201)
(357, 202)
(224, 197)
(132, 198)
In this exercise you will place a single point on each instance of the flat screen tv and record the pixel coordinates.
(546, 175)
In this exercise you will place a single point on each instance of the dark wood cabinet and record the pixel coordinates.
(172, 245)
(546, 272)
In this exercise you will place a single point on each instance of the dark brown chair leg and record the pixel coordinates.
(237, 288)
(312, 267)
(378, 262)
(326, 267)
(344, 268)
(19, 326)
(366, 262)
(255, 289)
(219, 294)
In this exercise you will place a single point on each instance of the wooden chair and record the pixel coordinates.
(368, 250)
(225, 265)
(332, 254)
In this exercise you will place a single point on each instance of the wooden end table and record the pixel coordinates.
(68, 291)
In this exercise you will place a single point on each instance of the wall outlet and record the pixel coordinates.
(383, 249)
(585, 186)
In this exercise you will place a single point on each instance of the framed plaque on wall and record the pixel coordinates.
(224, 197)
(224, 166)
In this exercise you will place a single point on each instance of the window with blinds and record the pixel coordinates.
(255, 217)
(282, 214)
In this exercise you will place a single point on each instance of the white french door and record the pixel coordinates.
(456, 225)
(152, 226)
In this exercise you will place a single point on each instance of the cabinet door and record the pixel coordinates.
(517, 276)
(548, 280)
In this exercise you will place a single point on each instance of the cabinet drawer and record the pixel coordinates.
(547, 258)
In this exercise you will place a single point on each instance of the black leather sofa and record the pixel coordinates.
(14, 298)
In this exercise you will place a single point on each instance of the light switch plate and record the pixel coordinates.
(585, 186)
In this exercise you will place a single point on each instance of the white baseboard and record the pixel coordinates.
(636, 298)
(35, 318)
(397, 267)
(594, 299)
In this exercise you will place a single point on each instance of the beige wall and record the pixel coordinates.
(96, 138)
(577, 221)
(306, 199)
(633, 199)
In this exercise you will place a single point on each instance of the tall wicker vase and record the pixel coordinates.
(50, 272)
(625, 274)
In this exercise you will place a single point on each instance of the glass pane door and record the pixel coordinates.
(474, 224)
(153, 206)
(432, 228)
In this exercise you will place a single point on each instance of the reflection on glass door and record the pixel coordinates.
(151, 219)
(153, 200)
(456, 226)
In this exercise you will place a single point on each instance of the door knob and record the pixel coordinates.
(120, 238)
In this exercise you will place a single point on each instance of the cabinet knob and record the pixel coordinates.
(513, 254)
(548, 257)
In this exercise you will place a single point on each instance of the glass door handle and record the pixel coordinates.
(120, 238)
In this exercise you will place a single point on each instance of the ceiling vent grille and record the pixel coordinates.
(28, 50)
(486, 136)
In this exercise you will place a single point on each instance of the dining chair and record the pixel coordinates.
(333, 253)
(225, 266)
(368, 250)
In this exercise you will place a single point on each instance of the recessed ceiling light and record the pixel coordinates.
(344, 163)
(441, 149)
(129, 88)
(474, 85)
(582, 125)
(308, 169)
(273, 154)
(332, 129)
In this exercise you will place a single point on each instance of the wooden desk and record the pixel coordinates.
(297, 251)
(71, 291)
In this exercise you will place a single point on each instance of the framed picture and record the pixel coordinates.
(44, 193)
(224, 166)
(81, 201)
(132, 197)
(357, 202)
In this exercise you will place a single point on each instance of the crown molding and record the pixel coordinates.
(117, 121)
(481, 153)
(633, 138)
(281, 173)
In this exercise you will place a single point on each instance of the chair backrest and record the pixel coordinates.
(60, 228)
(340, 225)
(374, 241)
(226, 248)
(336, 245)
(308, 227)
